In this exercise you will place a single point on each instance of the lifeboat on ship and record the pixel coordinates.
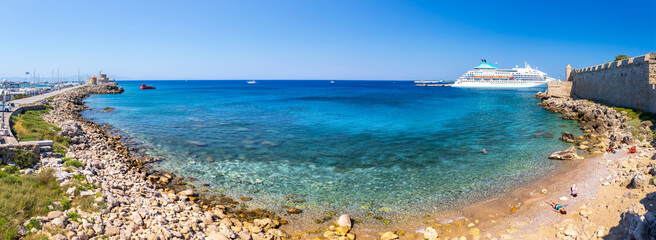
(144, 86)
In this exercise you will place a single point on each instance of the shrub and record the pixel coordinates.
(11, 169)
(33, 224)
(59, 150)
(23, 158)
(73, 216)
(79, 177)
(74, 163)
(66, 204)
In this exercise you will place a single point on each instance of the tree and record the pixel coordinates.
(621, 57)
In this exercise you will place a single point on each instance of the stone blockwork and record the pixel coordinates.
(559, 88)
(625, 83)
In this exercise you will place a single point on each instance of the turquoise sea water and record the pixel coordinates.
(356, 145)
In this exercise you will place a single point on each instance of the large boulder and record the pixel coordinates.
(639, 226)
(70, 128)
(639, 181)
(569, 154)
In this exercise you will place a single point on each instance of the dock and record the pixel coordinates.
(424, 83)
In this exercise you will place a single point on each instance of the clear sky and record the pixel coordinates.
(316, 39)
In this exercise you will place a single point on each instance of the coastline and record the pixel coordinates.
(491, 218)
(371, 229)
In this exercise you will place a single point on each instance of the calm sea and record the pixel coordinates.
(356, 145)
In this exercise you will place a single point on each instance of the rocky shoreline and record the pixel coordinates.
(133, 201)
(626, 196)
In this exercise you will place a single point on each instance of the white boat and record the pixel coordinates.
(332, 81)
(251, 82)
(486, 75)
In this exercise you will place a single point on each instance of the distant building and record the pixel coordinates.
(101, 79)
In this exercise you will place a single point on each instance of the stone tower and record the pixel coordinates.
(568, 72)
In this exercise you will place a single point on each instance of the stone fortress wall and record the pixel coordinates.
(625, 83)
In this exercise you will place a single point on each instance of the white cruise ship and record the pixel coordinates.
(486, 75)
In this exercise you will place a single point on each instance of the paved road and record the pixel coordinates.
(41, 97)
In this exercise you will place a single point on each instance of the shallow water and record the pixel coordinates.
(357, 145)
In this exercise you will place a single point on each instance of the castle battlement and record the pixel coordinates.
(624, 83)
(643, 59)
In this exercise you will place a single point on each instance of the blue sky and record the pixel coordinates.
(315, 39)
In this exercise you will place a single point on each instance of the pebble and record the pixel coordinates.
(389, 236)
(570, 232)
(431, 234)
(475, 231)
(54, 214)
(344, 221)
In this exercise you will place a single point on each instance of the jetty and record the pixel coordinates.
(424, 83)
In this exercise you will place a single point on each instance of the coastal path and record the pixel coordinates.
(29, 100)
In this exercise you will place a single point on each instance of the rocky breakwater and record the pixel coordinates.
(118, 198)
(602, 126)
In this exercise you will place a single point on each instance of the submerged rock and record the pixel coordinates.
(294, 211)
(197, 143)
(568, 137)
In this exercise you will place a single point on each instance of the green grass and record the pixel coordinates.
(19, 96)
(86, 203)
(37, 237)
(29, 126)
(24, 197)
(74, 163)
(73, 216)
(637, 117)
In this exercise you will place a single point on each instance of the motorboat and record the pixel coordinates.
(144, 86)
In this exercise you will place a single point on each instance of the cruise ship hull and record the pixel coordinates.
(486, 75)
(499, 84)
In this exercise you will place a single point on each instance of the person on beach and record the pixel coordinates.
(632, 150)
(611, 148)
(575, 191)
(557, 208)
